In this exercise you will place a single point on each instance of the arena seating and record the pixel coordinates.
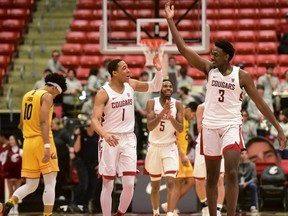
(248, 24)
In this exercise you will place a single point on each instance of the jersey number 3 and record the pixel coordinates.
(221, 98)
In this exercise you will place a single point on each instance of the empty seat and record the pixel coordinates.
(17, 25)
(247, 4)
(6, 4)
(226, 13)
(245, 36)
(9, 37)
(283, 60)
(22, 4)
(267, 24)
(3, 13)
(83, 73)
(89, 4)
(267, 4)
(247, 24)
(89, 61)
(80, 25)
(195, 73)
(76, 37)
(282, 3)
(91, 49)
(264, 60)
(223, 35)
(85, 14)
(93, 37)
(268, 12)
(95, 25)
(69, 61)
(72, 49)
(247, 60)
(245, 47)
(247, 13)
(122, 25)
(260, 71)
(5, 60)
(267, 47)
(225, 24)
(135, 61)
(7, 49)
(267, 36)
(135, 72)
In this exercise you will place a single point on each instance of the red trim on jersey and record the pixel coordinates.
(155, 175)
(213, 157)
(109, 177)
(170, 172)
(199, 178)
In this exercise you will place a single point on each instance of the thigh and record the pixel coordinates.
(232, 138)
(170, 159)
(210, 143)
(199, 164)
(153, 162)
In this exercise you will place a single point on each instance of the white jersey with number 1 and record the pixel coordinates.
(164, 132)
(223, 99)
(118, 115)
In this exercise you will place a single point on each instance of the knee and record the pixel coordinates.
(170, 183)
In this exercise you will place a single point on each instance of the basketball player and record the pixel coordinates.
(200, 171)
(164, 119)
(221, 131)
(39, 151)
(184, 179)
(113, 119)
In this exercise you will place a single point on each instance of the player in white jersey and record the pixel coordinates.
(221, 132)
(164, 119)
(113, 119)
(200, 171)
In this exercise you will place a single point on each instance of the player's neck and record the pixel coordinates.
(226, 69)
(117, 86)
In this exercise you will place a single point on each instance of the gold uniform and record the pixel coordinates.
(182, 141)
(33, 147)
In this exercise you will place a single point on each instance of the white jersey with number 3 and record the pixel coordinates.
(223, 99)
(118, 115)
(164, 132)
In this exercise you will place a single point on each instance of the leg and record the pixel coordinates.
(221, 192)
(213, 171)
(186, 185)
(10, 186)
(49, 192)
(105, 197)
(170, 183)
(155, 195)
(253, 191)
(127, 193)
(231, 159)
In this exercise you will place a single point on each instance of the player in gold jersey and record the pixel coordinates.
(39, 151)
(184, 179)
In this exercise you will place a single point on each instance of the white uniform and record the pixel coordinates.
(118, 119)
(162, 154)
(222, 118)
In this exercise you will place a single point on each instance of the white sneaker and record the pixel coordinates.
(164, 206)
(253, 209)
(205, 211)
(218, 213)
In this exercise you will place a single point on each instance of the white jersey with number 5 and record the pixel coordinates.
(118, 115)
(164, 132)
(223, 99)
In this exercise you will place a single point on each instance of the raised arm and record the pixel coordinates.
(247, 82)
(152, 86)
(190, 55)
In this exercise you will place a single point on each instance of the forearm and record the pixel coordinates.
(45, 132)
(156, 83)
(177, 125)
(153, 122)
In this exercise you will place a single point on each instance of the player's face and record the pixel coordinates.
(167, 89)
(189, 114)
(261, 152)
(123, 72)
(218, 57)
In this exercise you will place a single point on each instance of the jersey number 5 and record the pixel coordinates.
(28, 111)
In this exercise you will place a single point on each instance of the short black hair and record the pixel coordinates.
(113, 65)
(270, 66)
(93, 71)
(192, 105)
(259, 139)
(165, 80)
(47, 70)
(184, 89)
(259, 86)
(226, 47)
(144, 73)
(57, 78)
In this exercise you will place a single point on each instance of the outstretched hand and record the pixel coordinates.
(157, 62)
(169, 10)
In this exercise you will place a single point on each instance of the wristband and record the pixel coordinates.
(47, 145)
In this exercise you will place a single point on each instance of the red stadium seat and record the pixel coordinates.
(264, 60)
(247, 13)
(180, 60)
(252, 71)
(282, 71)
(260, 71)
(245, 48)
(95, 25)
(3, 13)
(283, 60)
(9, 37)
(122, 25)
(226, 13)
(268, 12)
(85, 14)
(93, 37)
(267, 47)
(89, 4)
(247, 60)
(83, 73)
(72, 49)
(5, 60)
(144, 13)
(267, 24)
(80, 25)
(22, 4)
(69, 61)
(135, 72)
(196, 74)
(267, 36)
(223, 35)
(282, 3)
(91, 49)
(225, 24)
(247, 24)
(135, 61)
(14, 25)
(267, 4)
(76, 37)
(247, 4)
(6, 4)
(245, 36)
(18, 13)
(89, 61)
(7, 49)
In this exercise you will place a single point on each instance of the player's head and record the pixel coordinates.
(190, 110)
(226, 47)
(260, 149)
(113, 66)
(167, 89)
(58, 82)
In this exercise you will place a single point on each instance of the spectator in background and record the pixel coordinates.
(140, 101)
(282, 90)
(173, 70)
(87, 107)
(249, 127)
(104, 73)
(247, 178)
(94, 81)
(263, 125)
(184, 96)
(282, 35)
(54, 65)
(62, 140)
(40, 83)
(71, 101)
(4, 145)
(150, 69)
(12, 168)
(86, 163)
(184, 80)
(269, 81)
